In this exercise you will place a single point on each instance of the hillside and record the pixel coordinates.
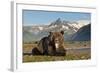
(83, 34)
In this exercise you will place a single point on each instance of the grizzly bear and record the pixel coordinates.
(53, 44)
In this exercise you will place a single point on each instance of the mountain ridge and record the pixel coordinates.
(36, 32)
(83, 33)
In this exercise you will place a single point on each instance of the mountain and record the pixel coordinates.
(36, 32)
(57, 22)
(62, 25)
(83, 34)
(31, 33)
(69, 26)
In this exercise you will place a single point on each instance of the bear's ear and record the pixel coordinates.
(50, 33)
(62, 32)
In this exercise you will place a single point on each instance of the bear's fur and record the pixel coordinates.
(53, 44)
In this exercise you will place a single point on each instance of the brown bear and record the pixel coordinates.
(53, 44)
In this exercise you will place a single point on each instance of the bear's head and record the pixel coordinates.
(57, 39)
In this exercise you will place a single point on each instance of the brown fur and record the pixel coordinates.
(49, 47)
(57, 37)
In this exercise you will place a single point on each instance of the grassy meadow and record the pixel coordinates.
(75, 50)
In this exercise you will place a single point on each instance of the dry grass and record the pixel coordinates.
(75, 53)
(27, 58)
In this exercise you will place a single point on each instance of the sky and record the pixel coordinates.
(31, 17)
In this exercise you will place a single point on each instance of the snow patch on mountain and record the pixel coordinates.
(58, 25)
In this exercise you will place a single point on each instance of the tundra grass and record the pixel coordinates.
(75, 53)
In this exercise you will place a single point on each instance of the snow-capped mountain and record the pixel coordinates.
(60, 25)
(66, 25)
(39, 31)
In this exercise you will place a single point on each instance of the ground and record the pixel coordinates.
(75, 50)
